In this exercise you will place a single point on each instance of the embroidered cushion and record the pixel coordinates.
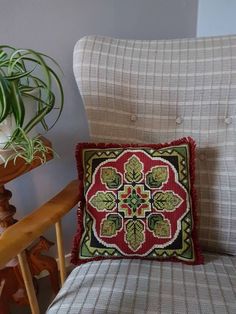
(139, 202)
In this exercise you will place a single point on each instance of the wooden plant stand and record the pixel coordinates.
(12, 289)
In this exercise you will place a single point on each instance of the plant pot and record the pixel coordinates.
(8, 126)
(4, 154)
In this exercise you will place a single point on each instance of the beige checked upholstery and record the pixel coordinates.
(148, 287)
(157, 91)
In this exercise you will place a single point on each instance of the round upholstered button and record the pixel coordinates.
(133, 118)
(179, 120)
(202, 156)
(228, 120)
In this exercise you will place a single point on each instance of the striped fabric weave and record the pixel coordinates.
(145, 287)
(158, 91)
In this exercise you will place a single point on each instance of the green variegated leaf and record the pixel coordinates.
(111, 225)
(103, 201)
(162, 229)
(108, 228)
(153, 219)
(134, 234)
(159, 226)
(110, 177)
(157, 177)
(133, 170)
(166, 200)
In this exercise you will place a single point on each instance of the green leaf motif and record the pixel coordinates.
(134, 234)
(103, 201)
(159, 226)
(110, 177)
(108, 228)
(153, 219)
(162, 229)
(111, 225)
(157, 177)
(133, 170)
(166, 200)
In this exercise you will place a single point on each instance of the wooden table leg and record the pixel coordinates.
(14, 289)
(13, 283)
(7, 211)
(4, 308)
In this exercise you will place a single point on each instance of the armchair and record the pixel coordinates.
(151, 92)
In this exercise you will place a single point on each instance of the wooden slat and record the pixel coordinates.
(61, 253)
(20, 235)
(26, 274)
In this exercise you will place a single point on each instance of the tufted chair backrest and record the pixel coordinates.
(157, 91)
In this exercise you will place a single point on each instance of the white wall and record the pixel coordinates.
(53, 27)
(216, 17)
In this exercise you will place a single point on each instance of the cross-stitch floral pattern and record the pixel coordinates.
(137, 202)
(144, 193)
(135, 195)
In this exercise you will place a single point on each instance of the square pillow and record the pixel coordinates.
(138, 202)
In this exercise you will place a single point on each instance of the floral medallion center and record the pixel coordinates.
(134, 201)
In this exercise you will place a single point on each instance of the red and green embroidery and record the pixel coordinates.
(137, 203)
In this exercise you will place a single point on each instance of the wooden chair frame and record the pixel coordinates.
(19, 236)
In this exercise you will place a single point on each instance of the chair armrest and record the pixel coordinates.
(20, 235)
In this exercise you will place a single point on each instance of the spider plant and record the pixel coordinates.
(25, 73)
(28, 149)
